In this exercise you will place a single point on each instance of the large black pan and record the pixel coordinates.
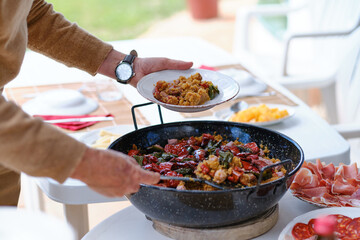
(211, 208)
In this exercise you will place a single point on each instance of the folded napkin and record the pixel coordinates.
(73, 126)
(207, 68)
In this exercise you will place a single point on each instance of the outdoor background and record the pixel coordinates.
(112, 20)
(127, 19)
(117, 19)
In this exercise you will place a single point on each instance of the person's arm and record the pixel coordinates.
(142, 66)
(31, 146)
(52, 35)
(112, 173)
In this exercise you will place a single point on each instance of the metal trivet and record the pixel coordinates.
(241, 231)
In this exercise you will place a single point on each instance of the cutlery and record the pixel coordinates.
(236, 107)
(87, 119)
(189, 179)
(262, 94)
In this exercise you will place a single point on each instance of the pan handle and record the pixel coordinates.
(287, 164)
(141, 105)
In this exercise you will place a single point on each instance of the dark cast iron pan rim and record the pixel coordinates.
(226, 123)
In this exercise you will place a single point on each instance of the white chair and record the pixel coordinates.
(324, 30)
(348, 100)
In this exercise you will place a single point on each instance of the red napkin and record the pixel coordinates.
(207, 68)
(73, 126)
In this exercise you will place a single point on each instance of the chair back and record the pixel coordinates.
(348, 85)
(321, 54)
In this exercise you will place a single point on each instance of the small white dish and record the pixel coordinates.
(249, 85)
(225, 114)
(227, 86)
(346, 211)
(90, 138)
(60, 102)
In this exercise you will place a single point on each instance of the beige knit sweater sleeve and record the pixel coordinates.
(27, 144)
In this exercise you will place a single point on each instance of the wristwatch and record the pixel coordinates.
(124, 71)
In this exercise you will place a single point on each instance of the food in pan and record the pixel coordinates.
(328, 185)
(261, 113)
(341, 228)
(209, 157)
(186, 91)
(105, 139)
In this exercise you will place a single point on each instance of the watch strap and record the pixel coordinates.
(130, 57)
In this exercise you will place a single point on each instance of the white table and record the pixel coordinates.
(130, 223)
(316, 137)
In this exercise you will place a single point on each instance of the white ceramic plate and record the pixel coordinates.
(228, 87)
(90, 138)
(60, 102)
(225, 114)
(248, 84)
(346, 211)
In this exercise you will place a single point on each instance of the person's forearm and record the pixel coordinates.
(141, 66)
(107, 68)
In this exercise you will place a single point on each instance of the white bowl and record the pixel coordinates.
(227, 86)
(60, 102)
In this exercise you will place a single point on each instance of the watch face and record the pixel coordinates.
(124, 71)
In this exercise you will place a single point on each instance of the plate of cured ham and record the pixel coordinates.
(345, 225)
(327, 185)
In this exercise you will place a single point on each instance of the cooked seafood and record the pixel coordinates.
(208, 157)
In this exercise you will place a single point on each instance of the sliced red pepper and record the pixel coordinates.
(234, 150)
(172, 183)
(204, 85)
(253, 146)
(204, 169)
(166, 166)
(193, 142)
(253, 157)
(133, 152)
(235, 176)
(152, 167)
(206, 138)
(200, 154)
(246, 165)
(151, 158)
(177, 149)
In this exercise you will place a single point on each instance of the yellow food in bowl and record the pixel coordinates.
(261, 113)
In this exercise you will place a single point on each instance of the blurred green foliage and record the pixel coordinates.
(275, 24)
(117, 19)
